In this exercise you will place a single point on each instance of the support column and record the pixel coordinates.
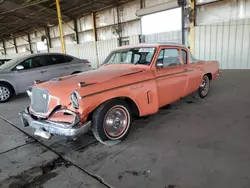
(30, 46)
(4, 48)
(192, 24)
(142, 4)
(95, 38)
(183, 23)
(60, 26)
(76, 31)
(119, 27)
(15, 45)
(47, 33)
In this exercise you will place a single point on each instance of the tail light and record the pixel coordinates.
(87, 62)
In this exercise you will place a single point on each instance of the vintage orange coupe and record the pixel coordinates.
(133, 81)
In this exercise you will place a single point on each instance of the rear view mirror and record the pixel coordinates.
(159, 65)
(19, 67)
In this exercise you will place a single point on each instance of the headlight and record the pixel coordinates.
(74, 99)
(29, 92)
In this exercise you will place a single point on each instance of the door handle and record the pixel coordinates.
(43, 71)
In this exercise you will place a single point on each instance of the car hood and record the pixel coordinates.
(103, 78)
(3, 71)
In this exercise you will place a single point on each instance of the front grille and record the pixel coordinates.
(40, 100)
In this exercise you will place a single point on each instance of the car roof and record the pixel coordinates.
(41, 54)
(141, 45)
(22, 57)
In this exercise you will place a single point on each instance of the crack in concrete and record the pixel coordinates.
(16, 147)
(96, 177)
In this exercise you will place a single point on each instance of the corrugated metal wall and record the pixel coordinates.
(104, 48)
(173, 36)
(88, 50)
(13, 55)
(134, 39)
(227, 42)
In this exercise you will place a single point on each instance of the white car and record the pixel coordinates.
(18, 74)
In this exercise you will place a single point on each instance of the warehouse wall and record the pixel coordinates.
(223, 33)
(173, 36)
(215, 24)
(227, 42)
(223, 11)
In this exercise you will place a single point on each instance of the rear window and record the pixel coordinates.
(68, 58)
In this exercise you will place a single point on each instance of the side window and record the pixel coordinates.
(68, 58)
(136, 58)
(33, 63)
(26, 64)
(184, 56)
(150, 57)
(57, 59)
(169, 57)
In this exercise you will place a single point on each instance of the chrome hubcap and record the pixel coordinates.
(4, 93)
(204, 86)
(116, 122)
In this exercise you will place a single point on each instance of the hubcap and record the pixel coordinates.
(116, 122)
(204, 86)
(4, 93)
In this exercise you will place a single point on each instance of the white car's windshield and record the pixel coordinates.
(142, 56)
(8, 64)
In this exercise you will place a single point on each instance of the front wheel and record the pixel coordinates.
(111, 121)
(204, 87)
(6, 93)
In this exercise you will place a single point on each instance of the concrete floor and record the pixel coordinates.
(192, 143)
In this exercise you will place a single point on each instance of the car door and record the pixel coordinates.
(73, 65)
(57, 66)
(194, 73)
(32, 70)
(171, 79)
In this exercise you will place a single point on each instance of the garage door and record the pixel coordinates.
(161, 22)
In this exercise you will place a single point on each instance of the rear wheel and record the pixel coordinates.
(6, 93)
(204, 87)
(111, 121)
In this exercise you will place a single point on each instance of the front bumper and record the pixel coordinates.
(53, 128)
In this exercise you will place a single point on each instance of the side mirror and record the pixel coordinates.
(19, 67)
(159, 65)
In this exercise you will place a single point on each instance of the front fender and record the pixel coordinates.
(143, 94)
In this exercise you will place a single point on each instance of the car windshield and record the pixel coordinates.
(9, 64)
(142, 56)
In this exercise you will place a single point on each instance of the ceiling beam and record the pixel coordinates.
(54, 11)
(114, 3)
(24, 6)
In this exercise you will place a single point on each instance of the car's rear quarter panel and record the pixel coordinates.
(209, 67)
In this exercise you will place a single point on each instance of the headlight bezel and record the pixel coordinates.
(29, 92)
(74, 98)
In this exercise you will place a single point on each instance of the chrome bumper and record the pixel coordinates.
(54, 128)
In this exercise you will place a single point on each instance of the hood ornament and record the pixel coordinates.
(81, 84)
(45, 96)
(84, 84)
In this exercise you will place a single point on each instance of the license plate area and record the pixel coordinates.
(42, 133)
